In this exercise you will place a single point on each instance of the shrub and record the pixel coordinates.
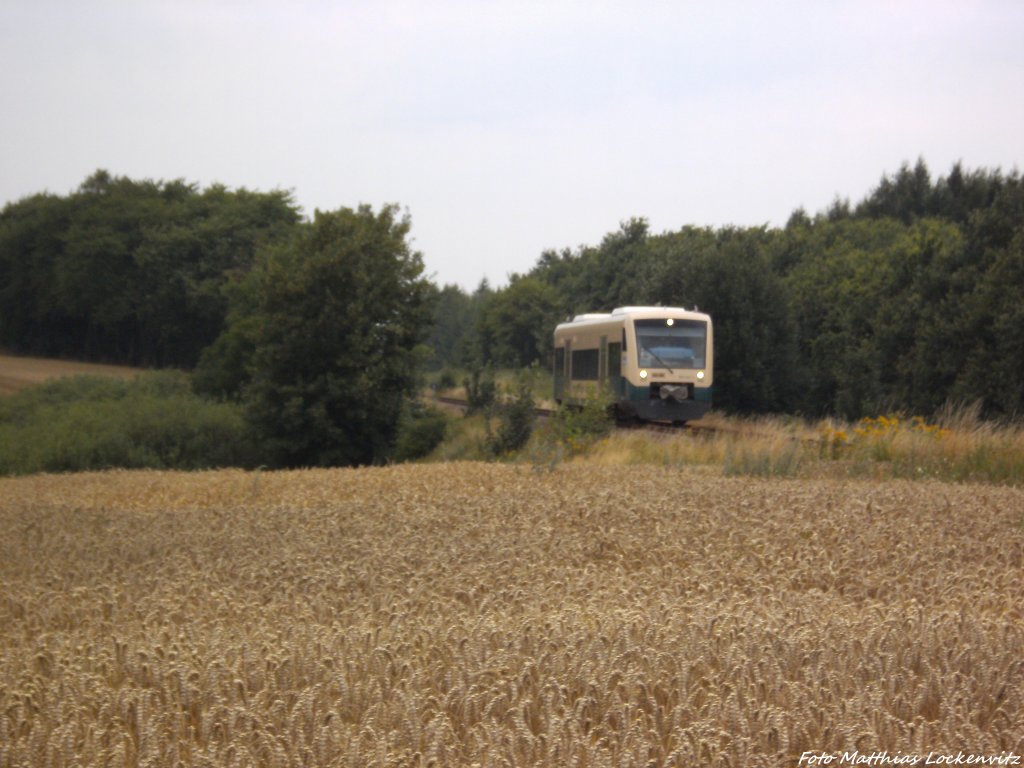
(576, 428)
(420, 430)
(87, 423)
(481, 390)
(517, 415)
(446, 379)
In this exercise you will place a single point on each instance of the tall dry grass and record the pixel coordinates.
(764, 446)
(956, 446)
(471, 614)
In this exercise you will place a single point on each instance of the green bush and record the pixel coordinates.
(91, 423)
(420, 430)
(446, 379)
(481, 390)
(577, 427)
(516, 411)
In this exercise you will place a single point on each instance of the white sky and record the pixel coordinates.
(507, 128)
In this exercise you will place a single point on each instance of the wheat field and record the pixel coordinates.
(497, 615)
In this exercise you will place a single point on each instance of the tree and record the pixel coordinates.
(518, 322)
(907, 196)
(128, 271)
(31, 242)
(616, 273)
(329, 323)
(728, 274)
(453, 322)
(619, 272)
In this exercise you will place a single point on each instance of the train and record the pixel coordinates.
(653, 363)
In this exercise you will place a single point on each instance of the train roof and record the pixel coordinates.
(621, 312)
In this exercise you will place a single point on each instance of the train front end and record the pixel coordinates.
(667, 364)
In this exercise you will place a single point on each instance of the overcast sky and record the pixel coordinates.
(508, 128)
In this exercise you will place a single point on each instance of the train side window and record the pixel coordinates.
(625, 347)
(614, 360)
(585, 364)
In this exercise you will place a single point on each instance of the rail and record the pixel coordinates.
(648, 426)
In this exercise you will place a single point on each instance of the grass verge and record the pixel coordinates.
(955, 446)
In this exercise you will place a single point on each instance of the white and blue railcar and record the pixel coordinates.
(655, 363)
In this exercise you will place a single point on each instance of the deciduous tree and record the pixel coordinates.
(330, 322)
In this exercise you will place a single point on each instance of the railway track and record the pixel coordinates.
(647, 426)
(714, 426)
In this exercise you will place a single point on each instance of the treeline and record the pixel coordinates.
(315, 329)
(307, 331)
(127, 271)
(907, 300)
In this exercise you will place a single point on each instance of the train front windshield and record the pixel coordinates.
(669, 343)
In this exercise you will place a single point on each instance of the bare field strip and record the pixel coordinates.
(20, 372)
(461, 614)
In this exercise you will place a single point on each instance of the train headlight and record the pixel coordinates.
(700, 375)
(643, 374)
